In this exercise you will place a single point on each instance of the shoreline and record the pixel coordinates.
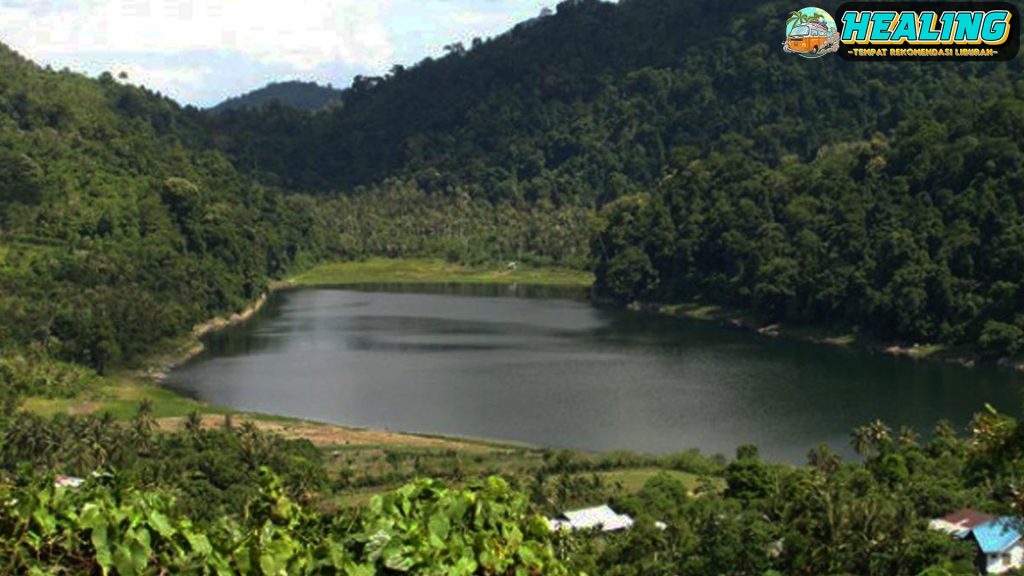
(824, 335)
(159, 368)
(154, 371)
(175, 354)
(410, 271)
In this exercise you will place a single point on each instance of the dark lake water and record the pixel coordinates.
(542, 368)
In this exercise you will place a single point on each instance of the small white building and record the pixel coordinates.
(599, 517)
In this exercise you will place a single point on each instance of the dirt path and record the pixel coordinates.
(327, 435)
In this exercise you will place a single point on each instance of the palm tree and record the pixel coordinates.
(823, 459)
(798, 18)
(142, 426)
(908, 436)
(795, 19)
(881, 434)
(193, 423)
(861, 440)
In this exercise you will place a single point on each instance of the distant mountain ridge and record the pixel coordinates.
(308, 96)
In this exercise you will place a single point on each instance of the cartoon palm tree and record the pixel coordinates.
(795, 19)
(798, 18)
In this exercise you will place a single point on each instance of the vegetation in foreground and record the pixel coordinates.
(425, 271)
(234, 499)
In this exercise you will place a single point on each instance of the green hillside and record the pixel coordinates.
(300, 95)
(120, 227)
(596, 101)
(871, 197)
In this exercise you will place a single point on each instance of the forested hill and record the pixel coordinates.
(119, 227)
(883, 196)
(300, 95)
(595, 100)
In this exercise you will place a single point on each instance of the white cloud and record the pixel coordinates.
(201, 51)
(182, 77)
(300, 33)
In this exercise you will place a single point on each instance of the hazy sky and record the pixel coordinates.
(202, 51)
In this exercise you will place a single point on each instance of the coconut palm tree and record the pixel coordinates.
(799, 18)
(861, 440)
(908, 436)
(795, 19)
(816, 18)
(823, 459)
(881, 435)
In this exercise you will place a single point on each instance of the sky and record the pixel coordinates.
(202, 51)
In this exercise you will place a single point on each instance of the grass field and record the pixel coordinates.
(633, 479)
(408, 271)
(120, 394)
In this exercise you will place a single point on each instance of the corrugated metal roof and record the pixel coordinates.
(998, 535)
(968, 518)
(599, 516)
(961, 523)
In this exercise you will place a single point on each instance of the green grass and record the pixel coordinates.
(694, 311)
(412, 271)
(120, 395)
(632, 480)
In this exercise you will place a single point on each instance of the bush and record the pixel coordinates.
(999, 338)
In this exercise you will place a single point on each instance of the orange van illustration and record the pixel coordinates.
(811, 33)
(808, 38)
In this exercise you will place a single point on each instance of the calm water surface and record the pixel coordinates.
(487, 362)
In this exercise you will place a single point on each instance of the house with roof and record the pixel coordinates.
(999, 540)
(599, 517)
(1000, 544)
(961, 522)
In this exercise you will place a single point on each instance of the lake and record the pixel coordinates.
(544, 367)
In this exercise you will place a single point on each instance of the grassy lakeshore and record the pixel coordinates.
(426, 271)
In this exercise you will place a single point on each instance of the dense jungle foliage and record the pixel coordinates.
(234, 500)
(300, 95)
(118, 230)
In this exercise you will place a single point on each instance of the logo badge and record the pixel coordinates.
(811, 33)
(902, 30)
(929, 30)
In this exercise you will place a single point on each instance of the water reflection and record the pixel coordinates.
(561, 373)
